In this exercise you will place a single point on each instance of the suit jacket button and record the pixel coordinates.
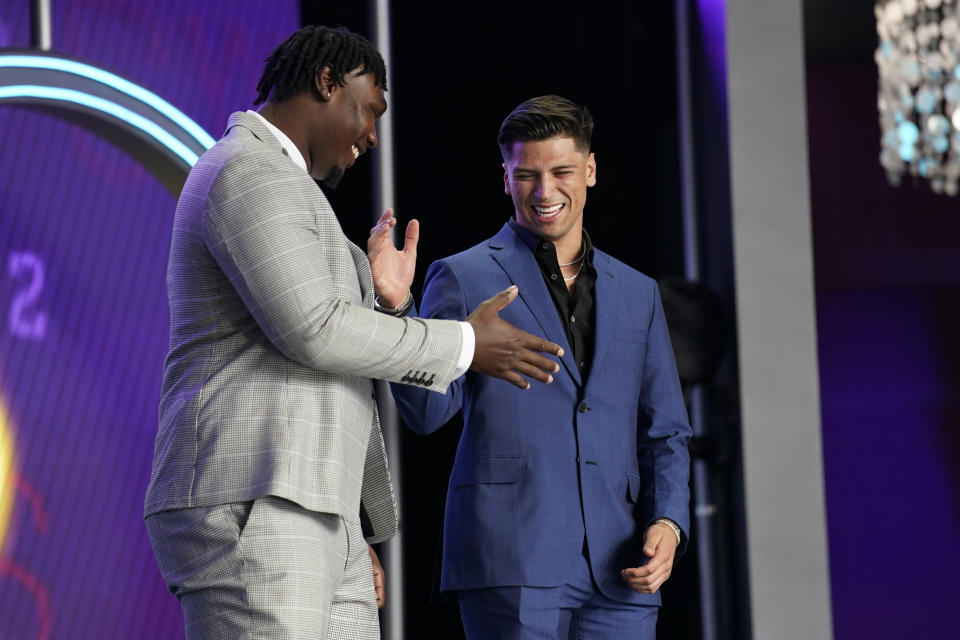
(583, 407)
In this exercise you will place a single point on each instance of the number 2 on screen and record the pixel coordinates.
(25, 320)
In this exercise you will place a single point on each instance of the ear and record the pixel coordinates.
(506, 179)
(324, 83)
(591, 170)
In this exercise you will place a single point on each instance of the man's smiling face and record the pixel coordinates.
(349, 127)
(548, 180)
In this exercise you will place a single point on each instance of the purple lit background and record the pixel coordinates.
(887, 265)
(82, 396)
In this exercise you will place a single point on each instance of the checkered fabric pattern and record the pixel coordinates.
(222, 563)
(273, 343)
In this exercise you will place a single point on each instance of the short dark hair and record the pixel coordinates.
(292, 66)
(543, 118)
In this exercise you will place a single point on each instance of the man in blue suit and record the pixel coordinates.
(568, 502)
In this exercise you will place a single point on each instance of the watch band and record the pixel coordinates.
(400, 310)
(670, 523)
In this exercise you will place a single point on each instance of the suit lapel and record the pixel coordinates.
(363, 273)
(606, 294)
(516, 259)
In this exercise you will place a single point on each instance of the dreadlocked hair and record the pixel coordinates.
(543, 118)
(292, 66)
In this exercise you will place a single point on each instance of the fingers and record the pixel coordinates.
(385, 222)
(504, 298)
(528, 364)
(538, 373)
(380, 232)
(379, 580)
(412, 236)
(530, 341)
(533, 343)
(645, 583)
(382, 227)
(504, 351)
(650, 576)
(536, 362)
(655, 565)
(652, 541)
(515, 379)
(379, 589)
(380, 236)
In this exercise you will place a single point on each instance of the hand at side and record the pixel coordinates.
(379, 579)
(660, 544)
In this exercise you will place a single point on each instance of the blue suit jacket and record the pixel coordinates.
(528, 459)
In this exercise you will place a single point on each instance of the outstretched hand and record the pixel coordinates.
(392, 268)
(503, 351)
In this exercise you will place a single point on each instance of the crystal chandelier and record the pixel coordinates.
(919, 98)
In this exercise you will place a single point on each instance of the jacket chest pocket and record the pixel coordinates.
(488, 470)
(628, 350)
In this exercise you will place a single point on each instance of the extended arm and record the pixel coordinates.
(500, 349)
(277, 240)
(423, 411)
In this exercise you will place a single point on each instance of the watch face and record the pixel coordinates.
(84, 321)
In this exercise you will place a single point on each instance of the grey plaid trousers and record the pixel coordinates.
(266, 569)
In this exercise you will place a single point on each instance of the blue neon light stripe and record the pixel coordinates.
(114, 81)
(111, 108)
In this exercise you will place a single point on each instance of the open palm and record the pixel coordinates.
(392, 268)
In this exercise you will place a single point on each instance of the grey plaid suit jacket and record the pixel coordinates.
(273, 343)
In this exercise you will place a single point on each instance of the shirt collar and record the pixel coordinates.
(292, 151)
(533, 241)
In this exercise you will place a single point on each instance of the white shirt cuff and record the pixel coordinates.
(467, 344)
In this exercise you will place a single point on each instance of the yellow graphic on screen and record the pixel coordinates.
(7, 484)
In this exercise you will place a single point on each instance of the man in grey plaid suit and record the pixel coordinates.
(269, 475)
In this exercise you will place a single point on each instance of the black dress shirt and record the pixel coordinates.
(576, 307)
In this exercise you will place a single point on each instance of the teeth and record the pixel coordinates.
(548, 212)
(356, 152)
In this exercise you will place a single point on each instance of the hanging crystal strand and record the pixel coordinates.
(919, 90)
(950, 51)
